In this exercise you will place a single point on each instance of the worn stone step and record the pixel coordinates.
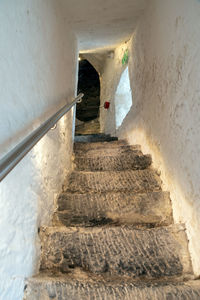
(95, 209)
(108, 150)
(91, 127)
(140, 181)
(102, 145)
(124, 251)
(85, 138)
(129, 161)
(79, 285)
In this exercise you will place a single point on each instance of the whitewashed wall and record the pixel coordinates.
(38, 57)
(109, 79)
(165, 116)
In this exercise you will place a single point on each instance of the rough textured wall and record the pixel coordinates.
(165, 116)
(110, 78)
(37, 71)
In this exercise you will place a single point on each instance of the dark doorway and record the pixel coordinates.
(89, 84)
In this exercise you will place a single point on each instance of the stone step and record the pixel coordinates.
(86, 138)
(108, 151)
(95, 209)
(79, 285)
(128, 161)
(91, 127)
(103, 146)
(122, 251)
(140, 181)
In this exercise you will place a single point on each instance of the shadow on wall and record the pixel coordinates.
(123, 98)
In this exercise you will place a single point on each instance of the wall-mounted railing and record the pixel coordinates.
(11, 159)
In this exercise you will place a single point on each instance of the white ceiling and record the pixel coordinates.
(103, 23)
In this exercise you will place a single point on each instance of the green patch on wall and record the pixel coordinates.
(125, 57)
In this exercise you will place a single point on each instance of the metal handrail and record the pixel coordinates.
(12, 158)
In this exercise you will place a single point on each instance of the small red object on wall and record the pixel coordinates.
(106, 105)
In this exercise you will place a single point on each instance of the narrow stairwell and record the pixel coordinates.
(113, 235)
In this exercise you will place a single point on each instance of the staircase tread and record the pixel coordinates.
(128, 180)
(111, 155)
(150, 170)
(174, 228)
(113, 150)
(94, 209)
(94, 138)
(101, 145)
(86, 276)
(128, 161)
(122, 250)
(91, 193)
(80, 285)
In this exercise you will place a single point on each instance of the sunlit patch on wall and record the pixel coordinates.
(123, 98)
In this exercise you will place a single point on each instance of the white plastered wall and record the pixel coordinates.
(165, 116)
(38, 68)
(109, 79)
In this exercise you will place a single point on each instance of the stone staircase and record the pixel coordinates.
(113, 235)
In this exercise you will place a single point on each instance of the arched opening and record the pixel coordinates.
(123, 98)
(89, 84)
